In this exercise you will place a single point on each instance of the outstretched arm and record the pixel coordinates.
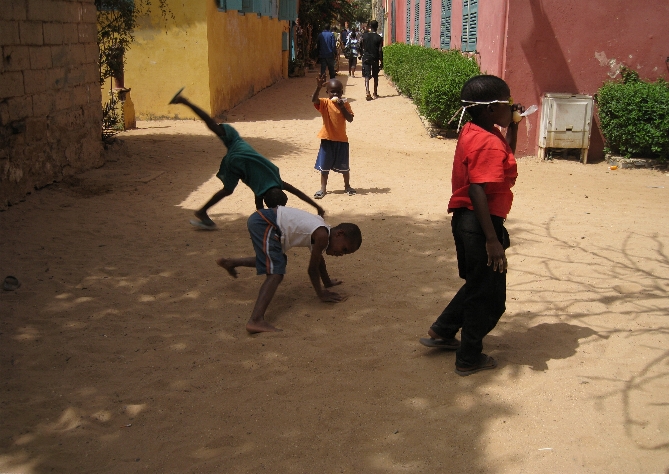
(293, 190)
(211, 123)
(317, 269)
(320, 81)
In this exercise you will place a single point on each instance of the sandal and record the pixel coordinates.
(319, 194)
(369, 97)
(350, 191)
(450, 344)
(486, 362)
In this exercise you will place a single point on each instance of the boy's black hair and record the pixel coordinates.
(374, 25)
(351, 232)
(483, 88)
(275, 197)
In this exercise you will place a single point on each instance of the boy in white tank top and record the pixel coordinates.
(273, 232)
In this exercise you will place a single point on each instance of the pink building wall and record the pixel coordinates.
(575, 46)
(572, 46)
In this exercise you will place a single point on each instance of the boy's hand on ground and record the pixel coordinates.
(496, 256)
(331, 297)
(332, 283)
(320, 210)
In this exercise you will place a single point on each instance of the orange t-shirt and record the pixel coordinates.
(334, 123)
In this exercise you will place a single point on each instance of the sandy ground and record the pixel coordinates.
(124, 350)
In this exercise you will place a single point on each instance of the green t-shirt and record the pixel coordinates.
(243, 163)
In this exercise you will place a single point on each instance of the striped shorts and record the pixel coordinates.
(266, 238)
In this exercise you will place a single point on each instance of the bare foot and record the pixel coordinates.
(225, 263)
(260, 326)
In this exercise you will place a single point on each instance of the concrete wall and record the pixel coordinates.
(50, 113)
(221, 57)
(245, 56)
(575, 46)
(167, 55)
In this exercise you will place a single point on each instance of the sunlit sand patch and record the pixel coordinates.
(25, 439)
(166, 274)
(179, 346)
(224, 336)
(250, 364)
(27, 333)
(102, 415)
(63, 296)
(74, 325)
(134, 410)
(105, 312)
(69, 420)
(19, 463)
(464, 401)
(417, 403)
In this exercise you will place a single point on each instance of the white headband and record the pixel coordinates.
(472, 103)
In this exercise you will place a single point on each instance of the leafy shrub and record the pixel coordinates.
(432, 78)
(634, 116)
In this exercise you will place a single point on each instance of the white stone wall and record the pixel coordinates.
(50, 100)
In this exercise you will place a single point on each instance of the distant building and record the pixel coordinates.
(542, 46)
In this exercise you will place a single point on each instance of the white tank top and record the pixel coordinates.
(297, 226)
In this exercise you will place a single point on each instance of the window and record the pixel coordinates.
(428, 23)
(470, 19)
(409, 21)
(445, 36)
(288, 10)
(416, 21)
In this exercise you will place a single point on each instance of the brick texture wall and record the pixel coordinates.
(50, 99)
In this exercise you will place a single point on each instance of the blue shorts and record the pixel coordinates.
(332, 156)
(266, 238)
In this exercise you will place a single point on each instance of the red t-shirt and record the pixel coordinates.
(483, 157)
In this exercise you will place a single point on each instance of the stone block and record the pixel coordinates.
(56, 78)
(92, 52)
(88, 32)
(4, 114)
(20, 107)
(9, 32)
(53, 33)
(80, 95)
(44, 103)
(40, 57)
(31, 32)
(74, 76)
(70, 33)
(43, 10)
(16, 58)
(77, 55)
(11, 84)
(35, 81)
(60, 55)
(64, 99)
(35, 129)
(92, 74)
(13, 10)
(89, 14)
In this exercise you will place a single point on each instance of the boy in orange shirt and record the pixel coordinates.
(333, 153)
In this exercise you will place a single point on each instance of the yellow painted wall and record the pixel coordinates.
(167, 56)
(244, 56)
(222, 58)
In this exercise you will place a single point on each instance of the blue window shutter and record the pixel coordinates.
(416, 21)
(428, 23)
(470, 20)
(445, 39)
(233, 4)
(409, 21)
(247, 6)
(288, 10)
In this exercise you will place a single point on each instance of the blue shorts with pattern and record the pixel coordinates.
(266, 238)
(332, 156)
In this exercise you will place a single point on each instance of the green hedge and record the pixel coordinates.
(432, 78)
(634, 116)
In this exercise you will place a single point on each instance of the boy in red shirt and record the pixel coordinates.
(333, 153)
(484, 171)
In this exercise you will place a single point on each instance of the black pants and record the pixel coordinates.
(330, 64)
(481, 301)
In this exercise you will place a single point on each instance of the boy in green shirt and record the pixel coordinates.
(243, 163)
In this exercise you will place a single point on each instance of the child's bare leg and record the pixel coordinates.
(230, 264)
(257, 321)
(202, 212)
(324, 181)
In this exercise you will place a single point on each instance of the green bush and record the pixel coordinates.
(432, 78)
(634, 116)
